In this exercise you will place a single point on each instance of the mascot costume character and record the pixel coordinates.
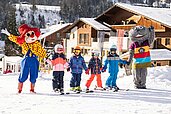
(139, 52)
(32, 49)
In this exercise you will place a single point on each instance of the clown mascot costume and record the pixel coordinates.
(32, 49)
(139, 52)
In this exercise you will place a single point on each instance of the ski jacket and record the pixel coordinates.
(112, 62)
(77, 64)
(58, 62)
(95, 65)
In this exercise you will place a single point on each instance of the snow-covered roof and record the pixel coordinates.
(1, 55)
(52, 29)
(90, 21)
(156, 54)
(160, 54)
(95, 24)
(162, 15)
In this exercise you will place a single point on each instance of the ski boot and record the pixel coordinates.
(61, 91)
(87, 90)
(56, 90)
(115, 89)
(78, 89)
(72, 88)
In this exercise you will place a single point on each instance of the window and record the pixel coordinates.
(58, 35)
(167, 41)
(73, 36)
(94, 39)
(67, 35)
(72, 50)
(84, 39)
(158, 64)
(106, 38)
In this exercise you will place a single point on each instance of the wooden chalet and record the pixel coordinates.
(88, 34)
(125, 16)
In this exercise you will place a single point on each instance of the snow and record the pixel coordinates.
(50, 13)
(155, 100)
(95, 24)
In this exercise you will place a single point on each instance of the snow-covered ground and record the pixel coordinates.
(154, 100)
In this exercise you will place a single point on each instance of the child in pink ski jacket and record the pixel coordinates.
(59, 62)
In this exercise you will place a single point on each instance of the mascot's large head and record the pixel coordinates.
(27, 34)
(141, 33)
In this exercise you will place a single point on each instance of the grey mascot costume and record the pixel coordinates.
(139, 52)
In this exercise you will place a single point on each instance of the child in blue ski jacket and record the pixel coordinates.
(77, 64)
(112, 62)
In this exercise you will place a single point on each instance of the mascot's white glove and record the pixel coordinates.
(5, 31)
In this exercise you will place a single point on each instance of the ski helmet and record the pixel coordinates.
(95, 53)
(58, 48)
(77, 49)
(113, 47)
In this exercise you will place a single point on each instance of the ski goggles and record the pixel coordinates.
(59, 49)
(95, 54)
(77, 51)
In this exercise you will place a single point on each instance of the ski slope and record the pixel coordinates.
(154, 100)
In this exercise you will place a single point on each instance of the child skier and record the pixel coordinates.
(76, 64)
(95, 66)
(58, 62)
(113, 60)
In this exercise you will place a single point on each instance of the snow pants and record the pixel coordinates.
(99, 81)
(57, 81)
(75, 80)
(111, 80)
(139, 75)
(29, 65)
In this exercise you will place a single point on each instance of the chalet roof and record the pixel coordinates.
(156, 54)
(160, 54)
(95, 24)
(2, 55)
(90, 21)
(161, 15)
(52, 29)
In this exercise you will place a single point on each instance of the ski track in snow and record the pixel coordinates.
(155, 100)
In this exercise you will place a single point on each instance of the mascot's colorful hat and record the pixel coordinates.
(23, 29)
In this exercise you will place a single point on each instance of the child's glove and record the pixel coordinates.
(87, 71)
(128, 63)
(103, 70)
(68, 69)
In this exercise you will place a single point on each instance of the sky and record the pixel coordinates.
(156, 99)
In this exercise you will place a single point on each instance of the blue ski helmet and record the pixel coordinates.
(113, 47)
